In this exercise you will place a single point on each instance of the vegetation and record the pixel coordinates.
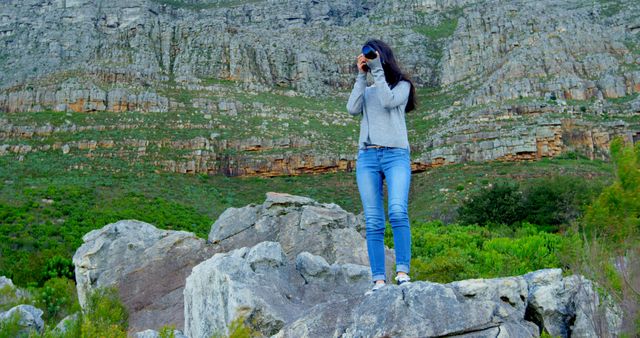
(443, 30)
(445, 254)
(550, 201)
(610, 233)
(199, 5)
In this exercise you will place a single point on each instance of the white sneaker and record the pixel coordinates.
(401, 279)
(376, 286)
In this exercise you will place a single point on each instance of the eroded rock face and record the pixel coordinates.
(148, 265)
(298, 224)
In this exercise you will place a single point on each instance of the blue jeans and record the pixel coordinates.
(374, 165)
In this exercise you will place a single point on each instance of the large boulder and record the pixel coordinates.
(27, 317)
(262, 285)
(310, 298)
(148, 265)
(299, 224)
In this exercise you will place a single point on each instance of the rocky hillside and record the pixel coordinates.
(260, 87)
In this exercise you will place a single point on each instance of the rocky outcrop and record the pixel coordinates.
(284, 290)
(148, 265)
(293, 267)
(310, 298)
(299, 224)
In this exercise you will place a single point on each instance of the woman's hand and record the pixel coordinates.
(362, 61)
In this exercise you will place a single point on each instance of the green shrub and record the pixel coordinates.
(58, 266)
(57, 298)
(167, 331)
(550, 202)
(454, 252)
(615, 214)
(238, 328)
(500, 203)
(9, 297)
(557, 200)
(610, 233)
(105, 315)
(37, 239)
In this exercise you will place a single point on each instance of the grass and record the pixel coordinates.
(611, 7)
(623, 99)
(195, 5)
(443, 30)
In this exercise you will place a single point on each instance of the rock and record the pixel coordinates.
(299, 224)
(423, 309)
(311, 298)
(29, 318)
(66, 322)
(155, 334)
(148, 265)
(268, 294)
(9, 293)
(568, 306)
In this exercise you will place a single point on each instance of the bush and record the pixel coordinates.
(57, 298)
(615, 215)
(557, 200)
(448, 253)
(500, 203)
(550, 202)
(610, 233)
(11, 327)
(105, 315)
(58, 266)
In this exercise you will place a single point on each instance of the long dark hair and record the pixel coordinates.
(392, 72)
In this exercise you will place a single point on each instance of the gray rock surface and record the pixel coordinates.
(299, 224)
(510, 73)
(310, 298)
(66, 322)
(29, 318)
(135, 256)
(148, 265)
(10, 293)
(569, 306)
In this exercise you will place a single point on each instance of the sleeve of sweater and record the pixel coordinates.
(354, 105)
(389, 98)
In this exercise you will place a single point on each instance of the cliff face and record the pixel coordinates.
(259, 87)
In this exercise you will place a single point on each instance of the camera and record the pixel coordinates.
(370, 53)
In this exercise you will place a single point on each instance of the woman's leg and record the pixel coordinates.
(396, 165)
(369, 178)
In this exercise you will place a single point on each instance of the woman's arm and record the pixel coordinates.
(354, 105)
(388, 97)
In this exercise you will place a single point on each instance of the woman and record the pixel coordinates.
(383, 153)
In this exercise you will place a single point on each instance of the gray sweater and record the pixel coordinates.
(381, 108)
